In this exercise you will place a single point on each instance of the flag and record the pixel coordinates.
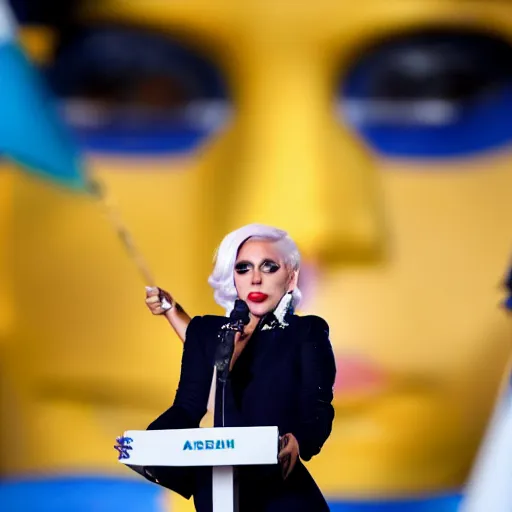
(32, 133)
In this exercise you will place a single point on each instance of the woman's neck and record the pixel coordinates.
(253, 322)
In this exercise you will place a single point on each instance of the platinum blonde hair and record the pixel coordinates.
(222, 278)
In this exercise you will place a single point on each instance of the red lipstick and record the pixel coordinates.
(257, 297)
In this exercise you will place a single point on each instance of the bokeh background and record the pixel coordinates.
(376, 132)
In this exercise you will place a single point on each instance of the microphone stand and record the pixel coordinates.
(226, 348)
(223, 357)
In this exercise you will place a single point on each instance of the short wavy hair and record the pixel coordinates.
(222, 278)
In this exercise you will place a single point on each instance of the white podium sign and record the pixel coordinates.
(221, 447)
(202, 446)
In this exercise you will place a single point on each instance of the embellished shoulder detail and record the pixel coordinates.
(271, 322)
(279, 318)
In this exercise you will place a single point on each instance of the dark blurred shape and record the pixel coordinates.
(437, 64)
(54, 13)
(127, 89)
(125, 65)
(431, 93)
(508, 288)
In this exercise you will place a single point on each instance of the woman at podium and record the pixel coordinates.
(280, 371)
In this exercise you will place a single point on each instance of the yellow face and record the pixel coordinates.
(407, 255)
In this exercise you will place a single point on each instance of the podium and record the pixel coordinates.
(222, 448)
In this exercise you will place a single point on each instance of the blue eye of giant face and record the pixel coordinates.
(129, 91)
(431, 94)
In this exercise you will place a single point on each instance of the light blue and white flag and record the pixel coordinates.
(32, 133)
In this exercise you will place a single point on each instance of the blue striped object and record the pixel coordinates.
(80, 494)
(108, 494)
(444, 503)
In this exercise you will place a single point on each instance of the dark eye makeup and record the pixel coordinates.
(267, 266)
(242, 267)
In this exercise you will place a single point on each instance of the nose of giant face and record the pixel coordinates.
(288, 161)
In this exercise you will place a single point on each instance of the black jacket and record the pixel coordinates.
(284, 377)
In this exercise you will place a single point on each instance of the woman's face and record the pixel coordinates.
(261, 276)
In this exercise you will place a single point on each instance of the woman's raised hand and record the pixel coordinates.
(158, 301)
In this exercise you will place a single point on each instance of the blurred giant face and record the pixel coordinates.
(400, 205)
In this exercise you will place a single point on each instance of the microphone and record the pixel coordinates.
(238, 318)
(240, 315)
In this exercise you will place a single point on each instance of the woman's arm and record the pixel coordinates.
(191, 399)
(179, 320)
(318, 371)
(187, 410)
(175, 314)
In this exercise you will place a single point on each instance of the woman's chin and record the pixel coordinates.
(259, 309)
